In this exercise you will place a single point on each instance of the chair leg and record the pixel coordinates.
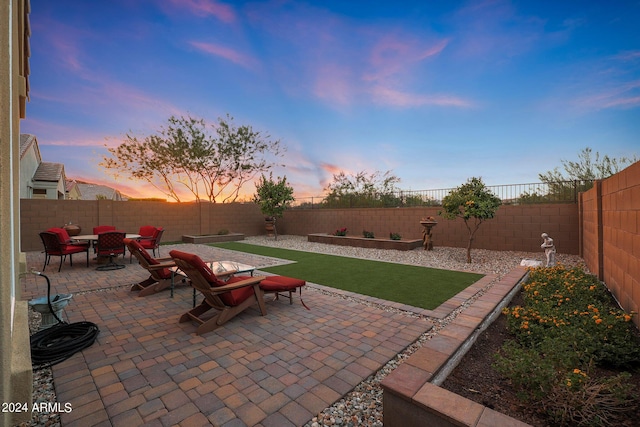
(46, 261)
(259, 294)
(61, 259)
(195, 313)
(140, 286)
(155, 288)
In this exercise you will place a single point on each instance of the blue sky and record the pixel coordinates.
(434, 91)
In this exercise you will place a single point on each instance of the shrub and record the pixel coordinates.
(368, 234)
(567, 325)
(395, 236)
(340, 232)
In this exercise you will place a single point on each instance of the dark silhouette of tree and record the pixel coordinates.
(212, 166)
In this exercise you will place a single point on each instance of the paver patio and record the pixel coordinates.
(276, 370)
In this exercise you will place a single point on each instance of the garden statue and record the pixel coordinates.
(549, 250)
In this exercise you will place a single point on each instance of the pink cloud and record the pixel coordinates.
(621, 96)
(226, 53)
(392, 55)
(333, 83)
(223, 12)
(388, 96)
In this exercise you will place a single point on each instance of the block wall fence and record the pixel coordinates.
(515, 228)
(610, 218)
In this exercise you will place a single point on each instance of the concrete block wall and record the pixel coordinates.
(514, 228)
(617, 258)
(176, 218)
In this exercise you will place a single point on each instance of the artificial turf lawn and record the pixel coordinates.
(412, 285)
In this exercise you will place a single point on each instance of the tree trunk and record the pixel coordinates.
(472, 233)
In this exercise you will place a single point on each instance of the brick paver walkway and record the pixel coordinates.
(147, 369)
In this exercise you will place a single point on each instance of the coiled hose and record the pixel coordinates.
(59, 342)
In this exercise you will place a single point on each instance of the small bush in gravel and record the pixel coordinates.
(568, 325)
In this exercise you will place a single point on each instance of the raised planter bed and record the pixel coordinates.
(363, 242)
(212, 238)
(412, 396)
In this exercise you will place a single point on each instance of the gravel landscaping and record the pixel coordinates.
(362, 406)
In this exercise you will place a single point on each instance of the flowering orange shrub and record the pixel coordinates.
(568, 323)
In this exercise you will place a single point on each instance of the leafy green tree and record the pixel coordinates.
(273, 197)
(185, 153)
(474, 203)
(362, 189)
(588, 167)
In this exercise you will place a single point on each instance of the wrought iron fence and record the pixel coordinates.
(511, 194)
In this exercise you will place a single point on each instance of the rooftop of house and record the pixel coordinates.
(49, 172)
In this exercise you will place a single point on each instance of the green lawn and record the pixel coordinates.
(416, 286)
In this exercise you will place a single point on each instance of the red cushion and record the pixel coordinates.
(63, 236)
(231, 298)
(237, 296)
(157, 232)
(147, 244)
(147, 231)
(281, 283)
(73, 249)
(134, 245)
(200, 265)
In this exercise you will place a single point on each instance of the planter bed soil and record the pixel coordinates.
(363, 242)
(475, 379)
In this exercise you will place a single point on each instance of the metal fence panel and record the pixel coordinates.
(511, 194)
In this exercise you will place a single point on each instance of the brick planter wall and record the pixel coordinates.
(362, 242)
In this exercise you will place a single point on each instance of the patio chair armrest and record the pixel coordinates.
(226, 273)
(240, 284)
(160, 266)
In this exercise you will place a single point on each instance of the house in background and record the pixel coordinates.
(46, 180)
(38, 179)
(90, 191)
(73, 191)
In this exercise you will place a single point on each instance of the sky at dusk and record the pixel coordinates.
(434, 91)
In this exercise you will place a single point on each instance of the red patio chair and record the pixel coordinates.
(160, 276)
(230, 298)
(111, 244)
(102, 228)
(57, 242)
(150, 237)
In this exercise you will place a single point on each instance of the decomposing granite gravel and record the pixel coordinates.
(363, 405)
